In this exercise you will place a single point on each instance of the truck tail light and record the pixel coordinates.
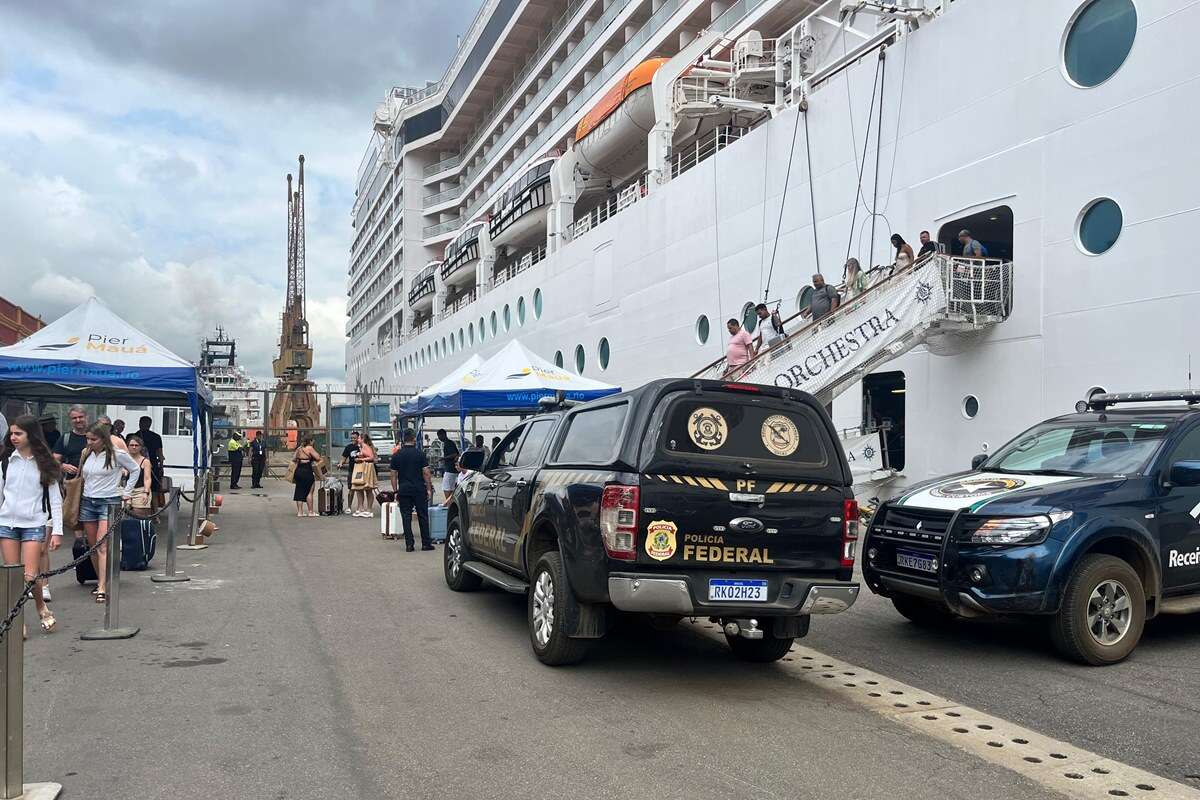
(850, 523)
(619, 521)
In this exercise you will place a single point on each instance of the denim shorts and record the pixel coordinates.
(23, 534)
(94, 509)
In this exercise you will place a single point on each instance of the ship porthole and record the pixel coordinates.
(471, 333)
(558, 359)
(507, 316)
(602, 353)
(580, 358)
(520, 310)
(462, 339)
(749, 317)
(537, 303)
(1098, 226)
(970, 406)
(482, 328)
(702, 330)
(493, 323)
(802, 299)
(1098, 40)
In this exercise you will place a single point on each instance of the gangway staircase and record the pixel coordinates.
(944, 302)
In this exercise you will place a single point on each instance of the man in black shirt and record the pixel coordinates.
(350, 453)
(50, 429)
(449, 462)
(927, 246)
(258, 459)
(70, 447)
(413, 485)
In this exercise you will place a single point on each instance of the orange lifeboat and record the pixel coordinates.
(611, 137)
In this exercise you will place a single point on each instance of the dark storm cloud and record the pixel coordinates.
(339, 52)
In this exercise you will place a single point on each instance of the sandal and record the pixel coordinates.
(101, 597)
(48, 621)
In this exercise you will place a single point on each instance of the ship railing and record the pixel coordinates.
(527, 260)
(623, 199)
(694, 93)
(705, 147)
(458, 304)
(753, 56)
(442, 227)
(977, 294)
(438, 197)
(443, 165)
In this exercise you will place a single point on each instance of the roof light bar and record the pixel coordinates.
(1099, 402)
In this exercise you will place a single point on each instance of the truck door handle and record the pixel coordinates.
(522, 483)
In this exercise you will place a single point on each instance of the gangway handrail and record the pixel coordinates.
(974, 292)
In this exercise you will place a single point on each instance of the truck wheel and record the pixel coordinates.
(922, 612)
(453, 555)
(550, 603)
(1103, 612)
(759, 651)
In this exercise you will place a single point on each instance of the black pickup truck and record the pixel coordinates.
(682, 498)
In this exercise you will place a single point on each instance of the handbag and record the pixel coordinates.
(291, 471)
(72, 496)
(358, 478)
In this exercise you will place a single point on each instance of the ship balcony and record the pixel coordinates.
(460, 302)
(420, 296)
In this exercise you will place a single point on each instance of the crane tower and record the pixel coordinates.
(295, 401)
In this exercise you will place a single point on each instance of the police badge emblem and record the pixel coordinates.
(707, 428)
(780, 435)
(660, 539)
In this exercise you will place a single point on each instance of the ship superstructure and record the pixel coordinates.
(232, 389)
(610, 182)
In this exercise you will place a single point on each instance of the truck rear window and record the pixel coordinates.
(720, 428)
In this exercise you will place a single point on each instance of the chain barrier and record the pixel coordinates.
(27, 594)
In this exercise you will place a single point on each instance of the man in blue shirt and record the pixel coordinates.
(971, 247)
(413, 485)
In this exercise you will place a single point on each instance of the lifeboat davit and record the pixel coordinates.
(424, 286)
(462, 256)
(519, 214)
(611, 137)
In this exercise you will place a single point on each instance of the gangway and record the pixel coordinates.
(944, 302)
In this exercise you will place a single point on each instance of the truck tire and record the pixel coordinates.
(922, 612)
(550, 603)
(454, 553)
(1103, 611)
(759, 651)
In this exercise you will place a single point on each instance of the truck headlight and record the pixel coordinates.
(1018, 530)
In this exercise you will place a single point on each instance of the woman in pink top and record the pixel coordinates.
(740, 349)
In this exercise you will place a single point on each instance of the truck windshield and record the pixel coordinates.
(1084, 448)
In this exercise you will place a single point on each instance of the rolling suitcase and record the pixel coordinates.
(138, 541)
(84, 571)
(437, 523)
(389, 521)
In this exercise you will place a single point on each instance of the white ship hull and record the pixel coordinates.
(977, 116)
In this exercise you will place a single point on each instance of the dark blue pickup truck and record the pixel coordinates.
(1088, 519)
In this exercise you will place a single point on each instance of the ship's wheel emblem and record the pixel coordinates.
(868, 452)
(707, 428)
(924, 292)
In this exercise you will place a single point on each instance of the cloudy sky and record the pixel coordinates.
(143, 149)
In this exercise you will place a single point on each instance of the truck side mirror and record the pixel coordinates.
(1185, 473)
(978, 460)
(471, 459)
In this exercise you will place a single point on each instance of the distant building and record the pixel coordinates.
(16, 323)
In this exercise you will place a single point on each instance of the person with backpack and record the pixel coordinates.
(100, 469)
(30, 502)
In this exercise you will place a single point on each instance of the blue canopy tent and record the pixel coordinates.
(90, 355)
(511, 382)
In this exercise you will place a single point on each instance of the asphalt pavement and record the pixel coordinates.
(308, 658)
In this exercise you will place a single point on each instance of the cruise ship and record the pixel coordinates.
(610, 182)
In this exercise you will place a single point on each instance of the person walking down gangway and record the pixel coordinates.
(30, 503)
(305, 477)
(235, 450)
(100, 469)
(769, 331)
(413, 484)
(740, 349)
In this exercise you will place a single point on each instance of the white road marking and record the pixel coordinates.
(1060, 767)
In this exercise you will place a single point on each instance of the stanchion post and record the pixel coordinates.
(194, 518)
(112, 628)
(169, 575)
(14, 683)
